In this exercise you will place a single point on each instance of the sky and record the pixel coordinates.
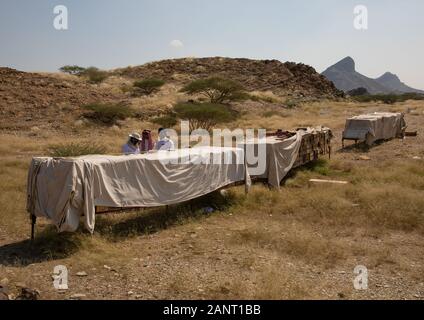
(110, 34)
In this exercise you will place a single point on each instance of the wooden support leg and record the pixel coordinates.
(33, 222)
(246, 187)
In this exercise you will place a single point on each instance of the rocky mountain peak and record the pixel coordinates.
(347, 64)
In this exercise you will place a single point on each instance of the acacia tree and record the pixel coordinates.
(203, 115)
(216, 89)
(74, 70)
(148, 86)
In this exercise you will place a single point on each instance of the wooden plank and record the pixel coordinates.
(328, 181)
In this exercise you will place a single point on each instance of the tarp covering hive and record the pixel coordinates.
(290, 150)
(64, 189)
(374, 126)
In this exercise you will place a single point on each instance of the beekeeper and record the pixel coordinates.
(133, 144)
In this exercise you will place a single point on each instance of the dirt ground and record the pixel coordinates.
(300, 242)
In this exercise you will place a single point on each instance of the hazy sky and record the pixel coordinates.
(109, 34)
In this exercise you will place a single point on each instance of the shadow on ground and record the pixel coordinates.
(154, 220)
(50, 245)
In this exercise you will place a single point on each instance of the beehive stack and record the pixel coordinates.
(314, 143)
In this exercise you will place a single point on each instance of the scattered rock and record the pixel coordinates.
(35, 129)
(82, 274)
(4, 282)
(77, 296)
(4, 293)
(107, 267)
(364, 158)
(28, 294)
(79, 123)
(130, 293)
(417, 158)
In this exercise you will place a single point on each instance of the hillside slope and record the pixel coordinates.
(33, 99)
(282, 78)
(49, 100)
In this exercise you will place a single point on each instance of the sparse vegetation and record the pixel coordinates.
(358, 92)
(204, 115)
(291, 104)
(147, 86)
(107, 113)
(389, 98)
(95, 75)
(165, 121)
(217, 90)
(267, 97)
(272, 113)
(75, 149)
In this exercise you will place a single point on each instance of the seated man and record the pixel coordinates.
(146, 141)
(133, 144)
(164, 143)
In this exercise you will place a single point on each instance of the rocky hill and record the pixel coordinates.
(345, 77)
(33, 99)
(47, 100)
(281, 78)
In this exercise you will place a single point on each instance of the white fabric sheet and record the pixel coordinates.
(281, 154)
(64, 189)
(374, 126)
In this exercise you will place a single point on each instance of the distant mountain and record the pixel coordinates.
(392, 81)
(345, 77)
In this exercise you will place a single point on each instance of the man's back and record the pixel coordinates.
(165, 144)
(130, 149)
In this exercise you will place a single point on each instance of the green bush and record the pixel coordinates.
(389, 98)
(263, 98)
(291, 104)
(95, 75)
(217, 90)
(166, 121)
(147, 86)
(75, 149)
(204, 115)
(107, 113)
(74, 70)
(361, 91)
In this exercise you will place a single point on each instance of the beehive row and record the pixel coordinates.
(313, 145)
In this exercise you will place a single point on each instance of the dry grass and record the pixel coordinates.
(302, 241)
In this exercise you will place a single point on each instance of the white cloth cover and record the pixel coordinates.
(281, 154)
(63, 189)
(374, 126)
